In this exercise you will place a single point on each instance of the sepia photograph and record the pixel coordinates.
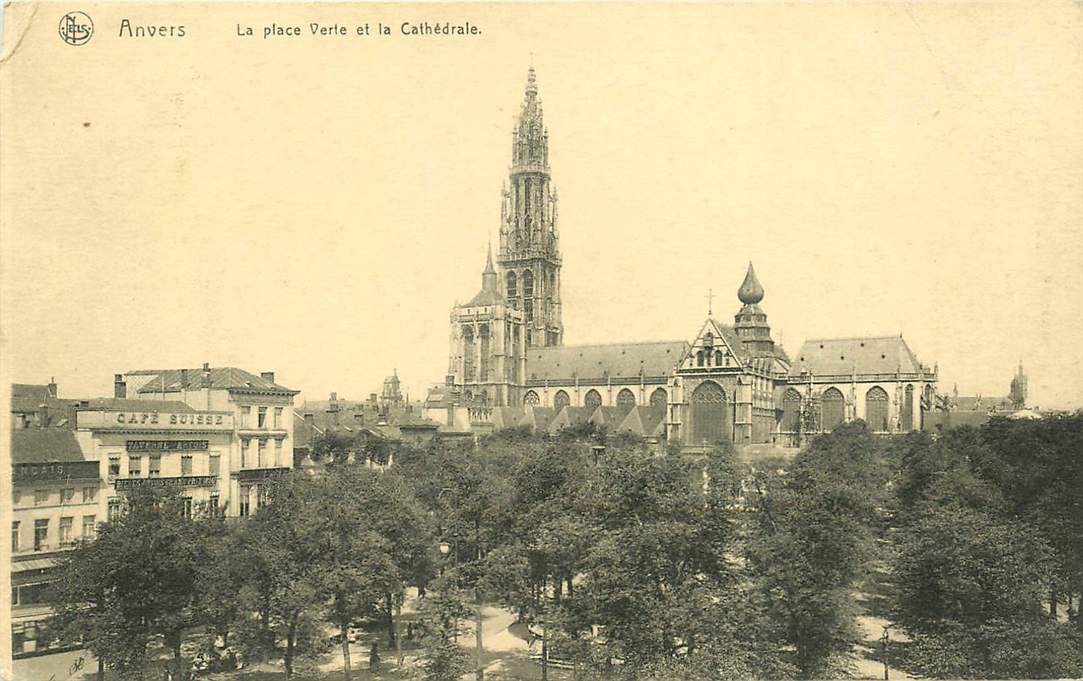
(541, 341)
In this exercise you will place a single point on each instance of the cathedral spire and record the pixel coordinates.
(488, 276)
(750, 292)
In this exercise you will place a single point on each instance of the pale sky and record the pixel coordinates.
(315, 206)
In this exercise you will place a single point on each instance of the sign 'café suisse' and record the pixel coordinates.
(156, 421)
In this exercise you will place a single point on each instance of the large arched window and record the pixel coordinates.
(626, 399)
(791, 411)
(484, 340)
(512, 285)
(833, 406)
(708, 413)
(469, 376)
(561, 400)
(592, 399)
(906, 410)
(876, 409)
(528, 283)
(659, 399)
(531, 398)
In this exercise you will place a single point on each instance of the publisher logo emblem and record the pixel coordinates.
(76, 28)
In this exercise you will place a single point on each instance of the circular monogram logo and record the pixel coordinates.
(76, 28)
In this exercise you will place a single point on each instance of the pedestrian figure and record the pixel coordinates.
(374, 657)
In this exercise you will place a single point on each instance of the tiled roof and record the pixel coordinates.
(538, 418)
(485, 297)
(221, 378)
(29, 391)
(44, 445)
(643, 421)
(624, 360)
(843, 356)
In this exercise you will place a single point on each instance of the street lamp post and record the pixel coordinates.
(884, 640)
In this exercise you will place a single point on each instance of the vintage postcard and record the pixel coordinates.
(547, 340)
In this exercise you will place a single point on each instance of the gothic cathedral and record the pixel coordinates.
(509, 366)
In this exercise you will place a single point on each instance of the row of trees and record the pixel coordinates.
(330, 550)
(626, 564)
(988, 559)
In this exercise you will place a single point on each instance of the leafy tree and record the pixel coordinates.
(813, 540)
(135, 583)
(282, 546)
(970, 587)
(441, 617)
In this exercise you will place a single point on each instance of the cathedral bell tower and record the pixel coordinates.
(529, 255)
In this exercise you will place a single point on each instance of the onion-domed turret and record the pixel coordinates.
(750, 292)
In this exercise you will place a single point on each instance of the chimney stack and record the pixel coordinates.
(184, 378)
(52, 383)
(120, 388)
(268, 376)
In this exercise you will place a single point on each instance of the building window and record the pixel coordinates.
(626, 399)
(41, 534)
(67, 495)
(699, 358)
(135, 466)
(186, 464)
(114, 467)
(659, 399)
(41, 497)
(187, 506)
(278, 453)
(511, 285)
(531, 398)
(15, 536)
(718, 358)
(90, 494)
(214, 464)
(592, 399)
(65, 530)
(89, 525)
(212, 504)
(246, 493)
(246, 414)
(261, 496)
(876, 409)
(16, 496)
(155, 467)
(278, 418)
(114, 508)
(832, 408)
(261, 417)
(244, 453)
(261, 451)
(561, 400)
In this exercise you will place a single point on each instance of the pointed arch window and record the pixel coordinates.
(876, 409)
(708, 413)
(791, 411)
(659, 398)
(528, 284)
(718, 358)
(833, 406)
(699, 358)
(531, 398)
(906, 410)
(561, 400)
(512, 286)
(626, 399)
(592, 399)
